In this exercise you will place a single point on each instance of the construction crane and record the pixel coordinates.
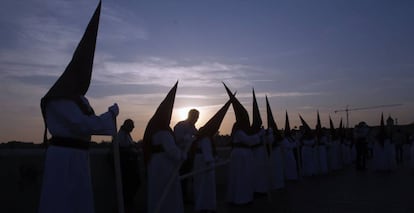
(347, 110)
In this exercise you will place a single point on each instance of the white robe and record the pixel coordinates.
(240, 182)
(378, 159)
(308, 158)
(323, 159)
(290, 171)
(67, 183)
(261, 171)
(160, 170)
(277, 180)
(391, 162)
(204, 183)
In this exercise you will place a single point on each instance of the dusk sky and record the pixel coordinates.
(304, 55)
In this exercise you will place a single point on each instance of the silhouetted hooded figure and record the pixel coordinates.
(240, 187)
(242, 117)
(160, 121)
(205, 183)
(309, 162)
(162, 156)
(306, 130)
(274, 139)
(332, 131)
(71, 121)
(287, 132)
(261, 174)
(291, 152)
(322, 156)
(257, 119)
(318, 128)
(271, 124)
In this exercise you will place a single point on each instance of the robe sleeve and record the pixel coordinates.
(64, 118)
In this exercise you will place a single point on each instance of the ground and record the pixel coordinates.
(343, 191)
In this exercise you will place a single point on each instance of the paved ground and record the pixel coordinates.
(340, 192)
(343, 191)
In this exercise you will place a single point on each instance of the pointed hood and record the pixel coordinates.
(257, 119)
(306, 128)
(271, 123)
(287, 132)
(159, 121)
(242, 117)
(318, 126)
(332, 129)
(76, 78)
(213, 125)
(304, 124)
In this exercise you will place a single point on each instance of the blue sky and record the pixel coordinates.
(304, 55)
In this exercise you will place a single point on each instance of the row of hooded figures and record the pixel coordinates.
(71, 121)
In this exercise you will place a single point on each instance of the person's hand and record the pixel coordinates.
(114, 109)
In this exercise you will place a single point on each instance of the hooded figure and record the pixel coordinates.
(318, 128)
(309, 163)
(205, 183)
(242, 117)
(306, 130)
(275, 159)
(321, 151)
(332, 131)
(71, 121)
(271, 124)
(240, 183)
(162, 156)
(287, 132)
(290, 153)
(261, 174)
(333, 158)
(257, 119)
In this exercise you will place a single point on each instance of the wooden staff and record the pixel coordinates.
(172, 178)
(204, 170)
(117, 167)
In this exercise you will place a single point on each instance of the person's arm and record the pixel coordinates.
(66, 117)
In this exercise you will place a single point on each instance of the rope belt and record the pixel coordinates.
(157, 149)
(241, 145)
(69, 143)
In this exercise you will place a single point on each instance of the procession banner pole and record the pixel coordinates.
(204, 170)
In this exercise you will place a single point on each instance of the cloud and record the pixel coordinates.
(160, 71)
